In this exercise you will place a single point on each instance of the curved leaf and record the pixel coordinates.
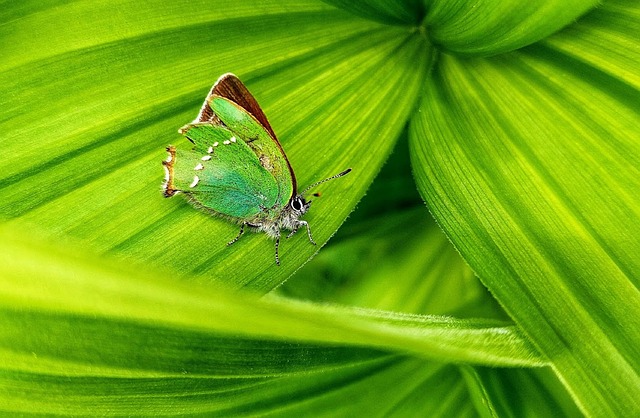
(399, 241)
(400, 261)
(97, 332)
(406, 12)
(77, 287)
(530, 163)
(84, 148)
(489, 27)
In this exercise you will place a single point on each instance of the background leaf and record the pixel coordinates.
(395, 242)
(489, 27)
(101, 333)
(405, 12)
(534, 186)
(391, 235)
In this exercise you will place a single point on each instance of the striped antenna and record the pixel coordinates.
(344, 173)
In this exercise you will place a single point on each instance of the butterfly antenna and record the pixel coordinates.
(344, 173)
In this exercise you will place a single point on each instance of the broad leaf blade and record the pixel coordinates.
(489, 27)
(97, 332)
(77, 286)
(530, 164)
(90, 170)
(405, 12)
(400, 261)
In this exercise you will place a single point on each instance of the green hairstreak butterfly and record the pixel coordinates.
(237, 169)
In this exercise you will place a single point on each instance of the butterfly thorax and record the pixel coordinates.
(288, 218)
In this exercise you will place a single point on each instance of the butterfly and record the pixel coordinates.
(237, 168)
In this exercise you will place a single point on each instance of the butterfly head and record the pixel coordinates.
(299, 205)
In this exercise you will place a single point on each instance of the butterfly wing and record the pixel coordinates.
(222, 174)
(230, 104)
(267, 149)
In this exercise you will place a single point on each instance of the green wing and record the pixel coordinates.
(230, 104)
(223, 174)
(268, 150)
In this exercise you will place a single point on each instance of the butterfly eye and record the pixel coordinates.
(296, 204)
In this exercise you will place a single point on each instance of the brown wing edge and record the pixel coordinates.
(230, 87)
(167, 186)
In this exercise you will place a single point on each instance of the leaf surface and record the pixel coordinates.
(536, 184)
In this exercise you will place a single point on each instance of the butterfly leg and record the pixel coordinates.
(295, 229)
(239, 234)
(305, 223)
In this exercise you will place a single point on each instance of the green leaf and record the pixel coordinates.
(535, 184)
(94, 172)
(489, 27)
(98, 331)
(71, 280)
(406, 12)
(427, 276)
(539, 393)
